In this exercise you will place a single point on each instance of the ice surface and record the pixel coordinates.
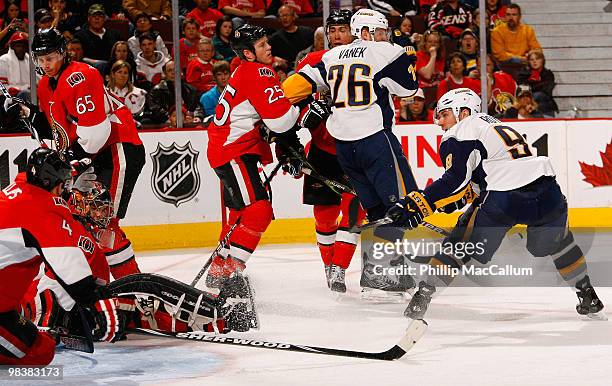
(476, 336)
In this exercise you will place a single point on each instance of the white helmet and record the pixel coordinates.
(456, 100)
(370, 19)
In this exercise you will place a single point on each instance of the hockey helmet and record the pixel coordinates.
(337, 17)
(456, 100)
(244, 38)
(46, 169)
(95, 207)
(370, 19)
(47, 41)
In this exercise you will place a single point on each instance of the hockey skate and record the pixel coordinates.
(382, 288)
(420, 301)
(336, 279)
(589, 304)
(235, 303)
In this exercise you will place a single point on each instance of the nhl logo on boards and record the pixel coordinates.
(175, 178)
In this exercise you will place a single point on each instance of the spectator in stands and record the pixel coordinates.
(395, 7)
(13, 20)
(239, 9)
(317, 45)
(206, 17)
(414, 109)
(221, 40)
(200, 70)
(119, 84)
(210, 99)
(512, 40)
(281, 71)
(430, 60)
(475, 27)
(189, 43)
(291, 39)
(450, 17)
(158, 9)
(404, 35)
(15, 66)
(74, 48)
(541, 82)
(97, 41)
(496, 11)
(121, 51)
(43, 19)
(161, 97)
(150, 62)
(302, 7)
(66, 22)
(501, 88)
(524, 107)
(144, 25)
(469, 48)
(456, 76)
(426, 5)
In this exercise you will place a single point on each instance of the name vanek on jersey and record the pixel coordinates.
(361, 77)
(489, 153)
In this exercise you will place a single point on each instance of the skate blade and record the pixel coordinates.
(378, 296)
(597, 316)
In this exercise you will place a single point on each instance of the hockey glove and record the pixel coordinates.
(316, 112)
(11, 114)
(410, 211)
(110, 324)
(84, 176)
(467, 198)
(290, 153)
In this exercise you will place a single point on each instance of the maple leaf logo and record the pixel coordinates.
(596, 175)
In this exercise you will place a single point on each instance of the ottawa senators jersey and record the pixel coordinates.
(36, 226)
(80, 109)
(487, 152)
(252, 96)
(320, 136)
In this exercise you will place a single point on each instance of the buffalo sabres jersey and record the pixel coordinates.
(487, 152)
(361, 77)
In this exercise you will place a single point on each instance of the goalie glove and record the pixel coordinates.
(316, 112)
(109, 322)
(84, 176)
(410, 211)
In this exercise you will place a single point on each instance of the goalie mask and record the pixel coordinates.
(96, 206)
(457, 100)
(370, 19)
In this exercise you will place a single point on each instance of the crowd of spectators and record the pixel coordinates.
(130, 43)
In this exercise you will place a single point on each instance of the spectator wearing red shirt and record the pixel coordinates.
(414, 109)
(243, 8)
(497, 12)
(501, 88)
(206, 17)
(430, 60)
(456, 76)
(200, 70)
(189, 44)
(450, 17)
(302, 7)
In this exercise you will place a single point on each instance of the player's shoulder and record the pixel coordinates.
(471, 128)
(311, 59)
(77, 73)
(255, 71)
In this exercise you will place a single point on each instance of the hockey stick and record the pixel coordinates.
(413, 333)
(25, 121)
(387, 220)
(225, 239)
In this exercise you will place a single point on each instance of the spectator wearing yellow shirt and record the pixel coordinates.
(512, 40)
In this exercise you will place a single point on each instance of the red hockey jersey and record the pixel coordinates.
(320, 136)
(37, 226)
(79, 108)
(252, 96)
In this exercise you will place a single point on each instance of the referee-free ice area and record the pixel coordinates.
(476, 336)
